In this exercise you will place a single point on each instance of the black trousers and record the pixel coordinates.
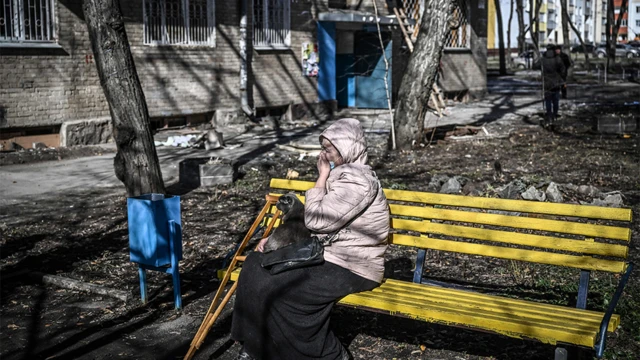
(552, 102)
(286, 316)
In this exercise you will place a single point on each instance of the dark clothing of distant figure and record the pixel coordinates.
(553, 74)
(566, 61)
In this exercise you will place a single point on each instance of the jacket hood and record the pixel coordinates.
(550, 53)
(348, 138)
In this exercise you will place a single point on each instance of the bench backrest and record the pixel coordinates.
(579, 236)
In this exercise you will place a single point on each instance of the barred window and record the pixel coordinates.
(459, 37)
(271, 24)
(179, 22)
(27, 21)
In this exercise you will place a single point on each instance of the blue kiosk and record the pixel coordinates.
(155, 238)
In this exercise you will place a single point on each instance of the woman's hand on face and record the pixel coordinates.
(261, 244)
(323, 165)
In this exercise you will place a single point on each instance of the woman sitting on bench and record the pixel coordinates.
(286, 316)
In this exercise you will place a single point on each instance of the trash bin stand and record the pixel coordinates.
(173, 269)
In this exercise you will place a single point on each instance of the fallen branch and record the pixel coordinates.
(73, 284)
(301, 151)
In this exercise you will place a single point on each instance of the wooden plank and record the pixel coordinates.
(584, 211)
(558, 226)
(539, 241)
(547, 320)
(511, 317)
(546, 334)
(404, 31)
(541, 257)
(497, 303)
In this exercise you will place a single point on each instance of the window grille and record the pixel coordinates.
(179, 22)
(27, 21)
(459, 37)
(272, 23)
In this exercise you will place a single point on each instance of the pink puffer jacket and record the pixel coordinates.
(353, 204)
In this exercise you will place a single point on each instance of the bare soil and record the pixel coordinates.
(27, 156)
(83, 235)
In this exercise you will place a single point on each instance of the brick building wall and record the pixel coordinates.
(43, 87)
(48, 86)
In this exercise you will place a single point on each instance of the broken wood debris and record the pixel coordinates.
(470, 133)
(308, 151)
(72, 284)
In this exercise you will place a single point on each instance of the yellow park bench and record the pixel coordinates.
(588, 238)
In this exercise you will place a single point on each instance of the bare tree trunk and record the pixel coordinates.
(521, 29)
(503, 62)
(534, 26)
(509, 59)
(611, 32)
(420, 74)
(613, 26)
(136, 163)
(566, 46)
(607, 32)
(584, 46)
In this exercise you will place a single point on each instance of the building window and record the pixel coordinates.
(179, 22)
(624, 22)
(460, 36)
(272, 24)
(27, 21)
(637, 9)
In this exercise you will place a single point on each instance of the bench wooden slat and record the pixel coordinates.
(486, 321)
(520, 222)
(579, 262)
(485, 302)
(591, 212)
(511, 317)
(540, 241)
(548, 322)
(602, 231)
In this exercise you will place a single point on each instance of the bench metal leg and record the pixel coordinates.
(583, 289)
(417, 274)
(175, 268)
(143, 283)
(561, 354)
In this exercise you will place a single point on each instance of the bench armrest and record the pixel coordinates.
(602, 336)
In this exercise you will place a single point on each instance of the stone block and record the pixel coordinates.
(86, 132)
(196, 172)
(618, 124)
(226, 117)
(314, 111)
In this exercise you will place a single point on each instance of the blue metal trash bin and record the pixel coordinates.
(155, 238)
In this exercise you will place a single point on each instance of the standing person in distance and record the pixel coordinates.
(566, 61)
(553, 73)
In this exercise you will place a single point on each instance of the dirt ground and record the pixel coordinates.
(83, 235)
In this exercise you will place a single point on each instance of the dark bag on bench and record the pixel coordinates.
(305, 253)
